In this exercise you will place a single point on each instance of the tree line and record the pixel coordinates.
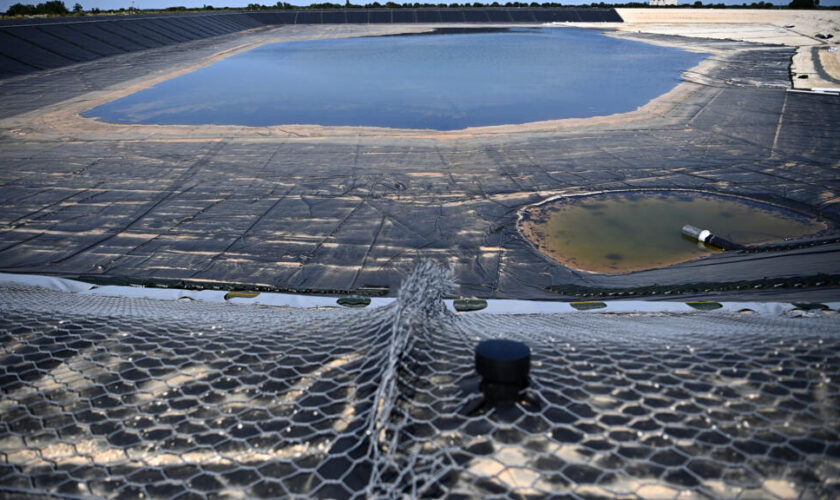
(57, 7)
(545, 5)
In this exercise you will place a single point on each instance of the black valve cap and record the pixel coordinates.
(503, 362)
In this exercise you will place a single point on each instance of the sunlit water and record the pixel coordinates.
(630, 231)
(435, 81)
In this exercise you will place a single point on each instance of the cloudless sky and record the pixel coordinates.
(159, 4)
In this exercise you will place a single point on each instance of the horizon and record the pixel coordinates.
(234, 4)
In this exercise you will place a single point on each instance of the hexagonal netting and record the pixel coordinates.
(127, 397)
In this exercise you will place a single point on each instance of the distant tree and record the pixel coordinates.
(804, 4)
(78, 9)
(55, 7)
(19, 9)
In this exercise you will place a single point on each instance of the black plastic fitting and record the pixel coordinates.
(504, 366)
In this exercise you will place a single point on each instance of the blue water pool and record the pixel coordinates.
(440, 81)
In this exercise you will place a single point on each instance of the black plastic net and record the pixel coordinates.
(122, 397)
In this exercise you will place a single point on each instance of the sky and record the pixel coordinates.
(158, 4)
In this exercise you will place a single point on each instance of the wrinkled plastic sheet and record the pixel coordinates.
(492, 306)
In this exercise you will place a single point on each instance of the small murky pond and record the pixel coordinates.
(621, 232)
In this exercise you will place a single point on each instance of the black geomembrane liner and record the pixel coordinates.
(54, 43)
(736, 130)
(74, 36)
(21, 50)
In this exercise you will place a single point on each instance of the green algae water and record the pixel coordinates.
(632, 231)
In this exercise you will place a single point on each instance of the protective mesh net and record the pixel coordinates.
(122, 397)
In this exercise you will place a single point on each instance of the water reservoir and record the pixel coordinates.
(441, 80)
